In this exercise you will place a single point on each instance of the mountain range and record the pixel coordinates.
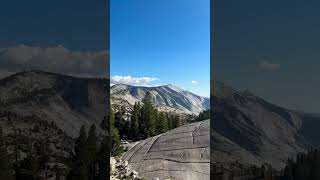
(67, 101)
(249, 130)
(244, 127)
(165, 98)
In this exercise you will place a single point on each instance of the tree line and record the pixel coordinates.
(305, 166)
(144, 121)
(204, 115)
(91, 156)
(89, 160)
(37, 157)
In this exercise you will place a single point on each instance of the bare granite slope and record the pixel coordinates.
(249, 130)
(67, 101)
(182, 153)
(165, 98)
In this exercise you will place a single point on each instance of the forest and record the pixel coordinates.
(145, 121)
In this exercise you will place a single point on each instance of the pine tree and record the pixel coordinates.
(6, 168)
(115, 147)
(120, 123)
(162, 124)
(80, 145)
(134, 129)
(176, 121)
(92, 151)
(80, 160)
(115, 142)
(169, 118)
(92, 143)
(147, 119)
(103, 157)
(43, 151)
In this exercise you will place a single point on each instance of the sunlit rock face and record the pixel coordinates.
(182, 153)
(165, 98)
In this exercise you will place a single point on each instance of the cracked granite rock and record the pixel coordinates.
(182, 153)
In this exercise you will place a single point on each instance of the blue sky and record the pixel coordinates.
(73, 24)
(164, 39)
(271, 48)
(63, 36)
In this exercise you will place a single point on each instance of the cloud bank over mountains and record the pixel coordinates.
(54, 59)
(134, 81)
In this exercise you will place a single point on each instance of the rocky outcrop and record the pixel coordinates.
(182, 153)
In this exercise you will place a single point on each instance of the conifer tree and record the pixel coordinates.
(103, 159)
(169, 117)
(120, 123)
(80, 161)
(42, 152)
(147, 117)
(80, 145)
(176, 121)
(91, 146)
(134, 129)
(162, 125)
(115, 142)
(115, 147)
(92, 143)
(6, 168)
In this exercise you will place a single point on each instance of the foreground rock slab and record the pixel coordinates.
(182, 153)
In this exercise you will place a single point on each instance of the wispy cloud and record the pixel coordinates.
(266, 65)
(194, 82)
(136, 81)
(54, 59)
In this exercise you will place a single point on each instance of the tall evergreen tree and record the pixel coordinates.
(42, 149)
(103, 159)
(134, 129)
(147, 117)
(162, 124)
(6, 168)
(120, 122)
(91, 143)
(92, 148)
(80, 145)
(116, 147)
(169, 117)
(80, 160)
(176, 121)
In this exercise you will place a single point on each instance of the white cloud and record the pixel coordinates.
(135, 81)
(266, 65)
(194, 82)
(54, 59)
(4, 73)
